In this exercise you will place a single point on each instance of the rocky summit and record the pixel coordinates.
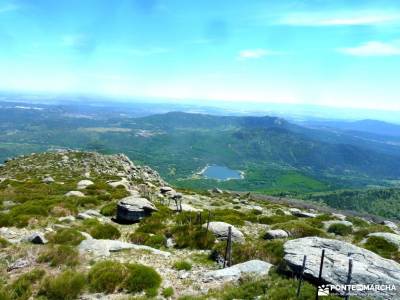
(82, 225)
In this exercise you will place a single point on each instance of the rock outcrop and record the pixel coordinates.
(74, 194)
(390, 237)
(276, 234)
(368, 267)
(132, 209)
(83, 184)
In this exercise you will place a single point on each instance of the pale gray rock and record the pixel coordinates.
(166, 189)
(276, 234)
(67, 219)
(184, 207)
(48, 180)
(74, 194)
(368, 267)
(217, 191)
(132, 209)
(19, 264)
(339, 216)
(83, 184)
(220, 230)
(254, 268)
(104, 247)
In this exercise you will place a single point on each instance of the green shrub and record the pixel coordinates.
(230, 216)
(269, 220)
(362, 233)
(271, 251)
(139, 238)
(193, 237)
(167, 292)
(141, 278)
(318, 220)
(4, 243)
(106, 276)
(155, 241)
(67, 286)
(67, 236)
(183, 265)
(109, 210)
(104, 231)
(357, 221)
(340, 229)
(299, 229)
(60, 255)
(21, 288)
(382, 247)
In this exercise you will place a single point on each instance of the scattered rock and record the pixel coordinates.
(234, 273)
(104, 247)
(217, 191)
(36, 238)
(166, 189)
(276, 234)
(301, 214)
(368, 267)
(89, 214)
(184, 207)
(339, 216)
(19, 264)
(83, 184)
(132, 209)
(48, 180)
(220, 230)
(74, 194)
(170, 243)
(68, 219)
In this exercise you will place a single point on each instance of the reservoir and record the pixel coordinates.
(221, 173)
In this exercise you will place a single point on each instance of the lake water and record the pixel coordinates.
(221, 173)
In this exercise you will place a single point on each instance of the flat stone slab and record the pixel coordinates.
(220, 230)
(234, 273)
(105, 247)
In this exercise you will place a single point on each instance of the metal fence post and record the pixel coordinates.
(349, 278)
(320, 272)
(228, 249)
(301, 276)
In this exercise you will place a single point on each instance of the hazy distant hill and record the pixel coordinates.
(275, 154)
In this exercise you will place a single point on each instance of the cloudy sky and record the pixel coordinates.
(341, 53)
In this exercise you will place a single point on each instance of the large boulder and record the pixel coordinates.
(220, 230)
(36, 238)
(391, 225)
(83, 184)
(368, 267)
(301, 214)
(236, 272)
(105, 247)
(327, 224)
(132, 209)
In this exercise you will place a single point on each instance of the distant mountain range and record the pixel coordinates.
(275, 155)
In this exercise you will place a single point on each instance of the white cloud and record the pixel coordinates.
(343, 18)
(373, 48)
(255, 53)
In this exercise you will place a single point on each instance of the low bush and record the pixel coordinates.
(299, 229)
(109, 210)
(167, 292)
(106, 276)
(21, 288)
(104, 231)
(340, 229)
(269, 220)
(382, 247)
(142, 278)
(67, 286)
(193, 237)
(4, 243)
(67, 236)
(60, 255)
(182, 265)
(271, 251)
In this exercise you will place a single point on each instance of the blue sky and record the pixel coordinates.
(339, 53)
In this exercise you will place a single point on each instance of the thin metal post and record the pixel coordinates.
(320, 271)
(208, 219)
(349, 278)
(301, 275)
(228, 249)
